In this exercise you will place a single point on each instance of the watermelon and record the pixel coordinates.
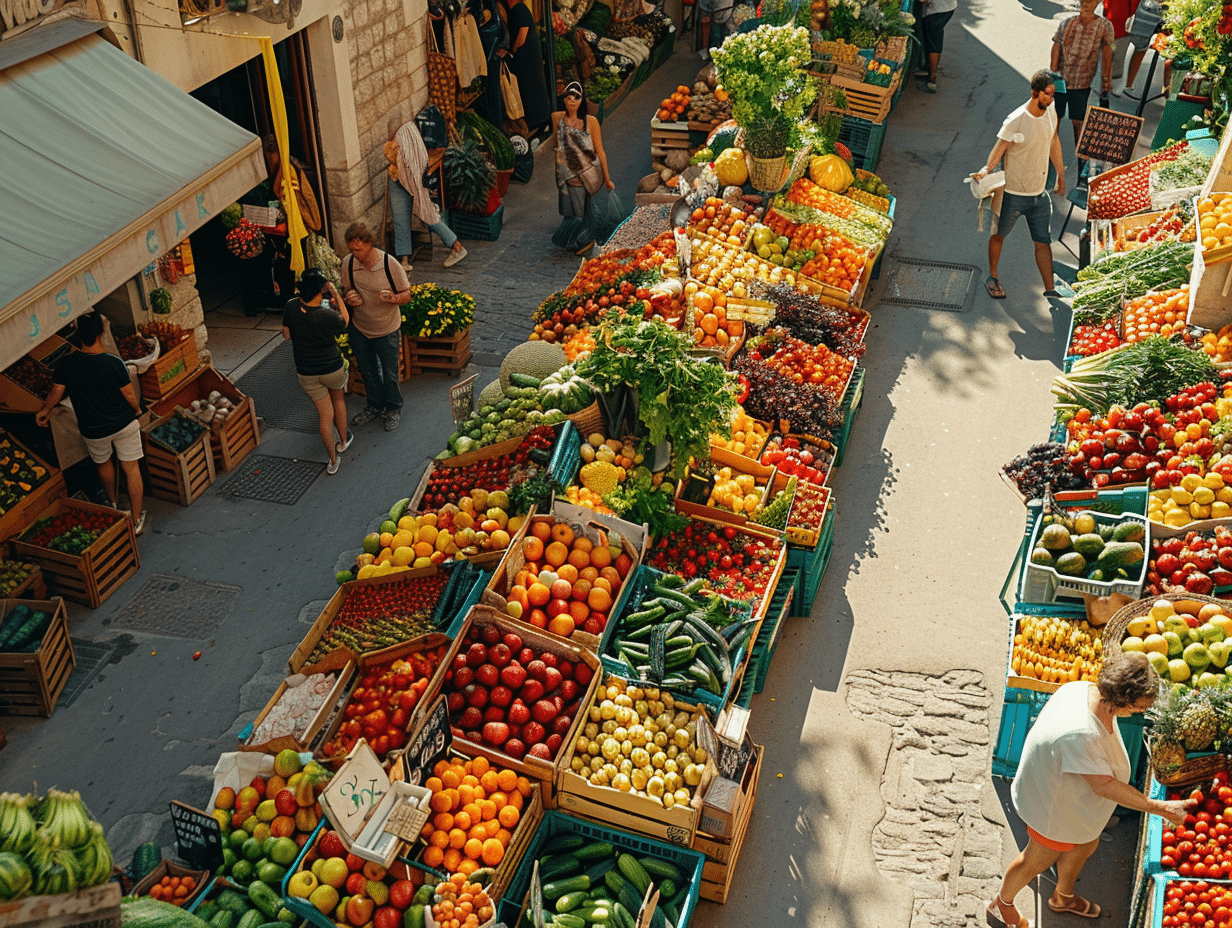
(15, 876)
(144, 912)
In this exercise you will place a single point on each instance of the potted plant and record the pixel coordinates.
(470, 180)
(770, 93)
(493, 143)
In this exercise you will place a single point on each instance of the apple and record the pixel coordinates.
(334, 872)
(519, 714)
(324, 898)
(359, 910)
(355, 885)
(488, 675)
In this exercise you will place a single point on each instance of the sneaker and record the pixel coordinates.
(139, 525)
(341, 446)
(332, 467)
(454, 257)
(392, 418)
(365, 415)
(921, 72)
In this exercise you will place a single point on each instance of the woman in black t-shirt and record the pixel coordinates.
(313, 328)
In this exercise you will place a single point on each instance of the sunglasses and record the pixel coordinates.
(573, 96)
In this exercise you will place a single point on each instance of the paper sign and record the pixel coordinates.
(462, 398)
(649, 904)
(430, 744)
(1108, 135)
(198, 837)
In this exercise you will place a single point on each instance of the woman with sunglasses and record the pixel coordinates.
(1073, 774)
(581, 172)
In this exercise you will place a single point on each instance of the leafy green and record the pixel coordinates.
(639, 501)
(681, 398)
(536, 490)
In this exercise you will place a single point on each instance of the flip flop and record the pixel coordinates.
(1083, 908)
(993, 286)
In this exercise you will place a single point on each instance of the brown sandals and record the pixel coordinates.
(999, 913)
(1074, 905)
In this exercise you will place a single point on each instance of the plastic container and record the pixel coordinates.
(1042, 584)
(477, 228)
(864, 139)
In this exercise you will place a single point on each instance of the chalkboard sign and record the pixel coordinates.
(732, 759)
(198, 839)
(430, 744)
(1108, 135)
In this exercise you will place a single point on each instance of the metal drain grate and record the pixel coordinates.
(272, 480)
(928, 284)
(273, 386)
(89, 658)
(181, 608)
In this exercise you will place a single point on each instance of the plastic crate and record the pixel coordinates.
(852, 399)
(1041, 584)
(477, 228)
(864, 139)
(1113, 502)
(881, 253)
(566, 460)
(1018, 714)
(472, 598)
(664, 50)
(688, 861)
(811, 564)
(768, 636)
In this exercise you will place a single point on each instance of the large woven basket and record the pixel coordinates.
(1114, 631)
(1192, 771)
(588, 420)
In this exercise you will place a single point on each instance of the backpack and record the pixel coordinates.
(388, 273)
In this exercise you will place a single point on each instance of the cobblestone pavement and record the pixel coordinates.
(934, 837)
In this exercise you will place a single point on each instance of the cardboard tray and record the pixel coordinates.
(1017, 681)
(343, 663)
(576, 794)
(532, 768)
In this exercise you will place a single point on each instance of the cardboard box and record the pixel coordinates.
(375, 818)
(726, 797)
(722, 857)
(340, 662)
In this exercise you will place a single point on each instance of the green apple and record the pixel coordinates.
(1197, 657)
(1178, 670)
(1132, 643)
(1175, 644)
(1176, 623)
(1160, 663)
(1220, 651)
(1211, 632)
(1156, 644)
(1208, 679)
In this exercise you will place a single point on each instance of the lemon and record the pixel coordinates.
(1176, 518)
(1204, 496)
(1181, 495)
(1191, 482)
(1213, 481)
(1198, 511)
(1220, 510)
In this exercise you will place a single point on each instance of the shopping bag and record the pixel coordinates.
(604, 213)
(511, 94)
(442, 80)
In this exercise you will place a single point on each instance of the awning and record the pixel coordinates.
(106, 166)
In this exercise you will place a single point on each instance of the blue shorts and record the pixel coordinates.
(1038, 211)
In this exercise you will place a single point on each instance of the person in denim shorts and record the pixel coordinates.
(1027, 141)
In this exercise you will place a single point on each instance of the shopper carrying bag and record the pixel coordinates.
(510, 93)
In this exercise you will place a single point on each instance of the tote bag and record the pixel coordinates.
(442, 80)
(511, 93)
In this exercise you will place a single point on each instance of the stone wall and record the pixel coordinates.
(387, 48)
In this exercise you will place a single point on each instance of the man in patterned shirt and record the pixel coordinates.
(1082, 43)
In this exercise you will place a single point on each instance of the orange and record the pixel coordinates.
(532, 548)
(612, 575)
(518, 594)
(538, 594)
(579, 558)
(478, 831)
(451, 778)
(470, 780)
(434, 783)
(525, 787)
(473, 849)
(474, 811)
(589, 573)
(567, 572)
(433, 857)
(443, 821)
(492, 828)
(440, 802)
(466, 866)
(509, 817)
(562, 625)
(499, 800)
(563, 533)
(466, 794)
(624, 564)
(493, 852)
(561, 589)
(439, 839)
(578, 611)
(452, 858)
(581, 589)
(538, 618)
(491, 780)
(506, 781)
(600, 557)
(582, 543)
(541, 529)
(478, 767)
(457, 838)
(504, 836)
(488, 809)
(516, 800)
(556, 554)
(462, 820)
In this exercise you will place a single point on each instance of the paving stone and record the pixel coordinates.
(967, 678)
(931, 767)
(952, 728)
(980, 868)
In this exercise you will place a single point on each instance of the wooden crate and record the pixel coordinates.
(721, 856)
(178, 476)
(341, 662)
(33, 587)
(96, 907)
(171, 868)
(666, 137)
(38, 499)
(31, 682)
(867, 101)
(90, 577)
(231, 441)
(16, 398)
(450, 353)
(170, 371)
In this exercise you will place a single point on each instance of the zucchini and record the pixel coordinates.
(570, 901)
(634, 872)
(562, 843)
(524, 380)
(661, 869)
(595, 851)
(621, 917)
(643, 617)
(614, 881)
(557, 888)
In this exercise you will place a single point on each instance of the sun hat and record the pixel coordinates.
(573, 87)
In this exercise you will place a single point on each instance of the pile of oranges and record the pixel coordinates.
(711, 327)
(1161, 313)
(173, 889)
(458, 903)
(673, 107)
(476, 809)
(566, 581)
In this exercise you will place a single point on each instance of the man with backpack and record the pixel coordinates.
(375, 287)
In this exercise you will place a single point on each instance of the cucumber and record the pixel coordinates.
(230, 899)
(621, 917)
(634, 872)
(667, 889)
(629, 898)
(570, 901)
(206, 910)
(595, 851)
(594, 915)
(557, 888)
(568, 920)
(558, 867)
(223, 918)
(599, 871)
(251, 919)
(524, 380)
(661, 869)
(614, 881)
(264, 898)
(563, 843)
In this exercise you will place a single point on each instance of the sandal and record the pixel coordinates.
(997, 917)
(1083, 908)
(993, 286)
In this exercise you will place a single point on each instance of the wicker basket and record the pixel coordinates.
(1192, 771)
(1114, 631)
(588, 420)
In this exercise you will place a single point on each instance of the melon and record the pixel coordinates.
(535, 359)
(490, 395)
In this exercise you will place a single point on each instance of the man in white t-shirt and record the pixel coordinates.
(1027, 141)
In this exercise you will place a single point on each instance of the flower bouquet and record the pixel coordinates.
(435, 312)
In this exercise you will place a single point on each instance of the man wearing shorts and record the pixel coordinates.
(314, 329)
(1027, 141)
(1082, 43)
(102, 394)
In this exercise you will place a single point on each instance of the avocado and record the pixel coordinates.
(1130, 531)
(1089, 545)
(1055, 537)
(1043, 557)
(1071, 564)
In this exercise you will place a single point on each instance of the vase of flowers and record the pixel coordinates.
(762, 71)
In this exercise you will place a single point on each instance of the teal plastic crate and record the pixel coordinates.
(664, 50)
(566, 460)
(852, 399)
(1115, 502)
(1018, 713)
(472, 599)
(477, 228)
(767, 639)
(644, 578)
(881, 253)
(811, 564)
(687, 861)
(864, 139)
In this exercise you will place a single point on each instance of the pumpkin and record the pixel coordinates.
(830, 172)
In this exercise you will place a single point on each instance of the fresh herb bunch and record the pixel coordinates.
(1145, 371)
(638, 500)
(564, 51)
(434, 311)
(762, 71)
(535, 490)
(602, 84)
(682, 399)
(1189, 169)
(1126, 275)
